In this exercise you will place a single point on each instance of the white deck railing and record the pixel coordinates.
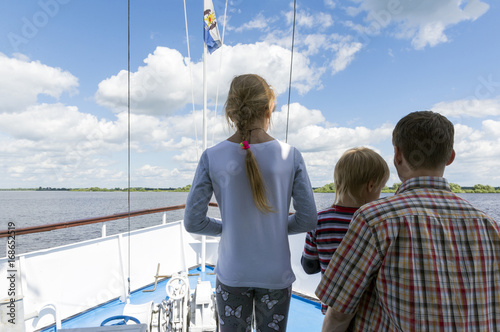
(63, 281)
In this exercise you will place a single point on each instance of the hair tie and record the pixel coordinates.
(245, 145)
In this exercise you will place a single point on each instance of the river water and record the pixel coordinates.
(33, 208)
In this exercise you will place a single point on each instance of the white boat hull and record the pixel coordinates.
(57, 283)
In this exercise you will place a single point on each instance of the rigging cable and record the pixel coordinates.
(218, 75)
(191, 80)
(291, 65)
(128, 141)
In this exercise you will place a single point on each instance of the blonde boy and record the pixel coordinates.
(359, 176)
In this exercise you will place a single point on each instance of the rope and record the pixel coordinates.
(291, 66)
(191, 80)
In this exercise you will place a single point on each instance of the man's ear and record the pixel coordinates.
(452, 157)
(398, 156)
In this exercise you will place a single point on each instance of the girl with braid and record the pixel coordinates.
(254, 178)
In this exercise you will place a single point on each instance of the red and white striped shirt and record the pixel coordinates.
(322, 242)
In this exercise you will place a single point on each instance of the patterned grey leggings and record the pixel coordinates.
(236, 306)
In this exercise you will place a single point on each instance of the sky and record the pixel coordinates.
(358, 67)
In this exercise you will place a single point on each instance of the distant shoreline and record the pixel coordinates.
(476, 189)
(97, 189)
(328, 188)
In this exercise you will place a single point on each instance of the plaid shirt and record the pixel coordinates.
(421, 260)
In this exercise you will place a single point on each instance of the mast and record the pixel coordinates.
(204, 96)
(211, 42)
(204, 238)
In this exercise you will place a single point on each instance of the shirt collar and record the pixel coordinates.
(431, 182)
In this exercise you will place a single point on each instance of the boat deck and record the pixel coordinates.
(304, 315)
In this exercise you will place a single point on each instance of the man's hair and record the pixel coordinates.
(356, 168)
(425, 139)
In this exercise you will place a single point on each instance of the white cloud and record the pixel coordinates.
(160, 87)
(330, 4)
(469, 108)
(153, 173)
(321, 43)
(314, 43)
(321, 142)
(163, 85)
(430, 33)
(298, 117)
(424, 22)
(52, 123)
(344, 55)
(305, 19)
(22, 80)
(477, 154)
(54, 144)
(491, 128)
(341, 49)
(259, 23)
(57, 143)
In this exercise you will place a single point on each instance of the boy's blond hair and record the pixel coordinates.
(356, 168)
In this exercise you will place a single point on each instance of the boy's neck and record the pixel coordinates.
(347, 202)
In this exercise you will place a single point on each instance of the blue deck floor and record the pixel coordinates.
(305, 315)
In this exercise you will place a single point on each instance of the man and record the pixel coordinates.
(423, 259)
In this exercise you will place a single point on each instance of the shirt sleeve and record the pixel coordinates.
(305, 218)
(310, 259)
(352, 268)
(195, 214)
(310, 247)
